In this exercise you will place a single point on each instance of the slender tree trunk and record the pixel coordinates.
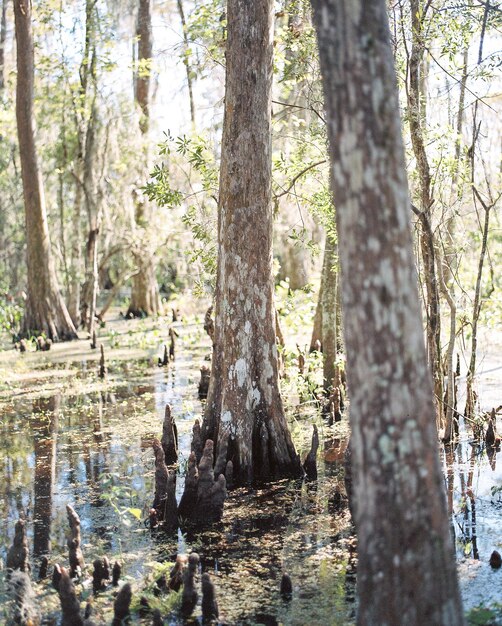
(328, 304)
(45, 310)
(476, 310)
(406, 566)
(76, 258)
(416, 116)
(244, 413)
(142, 78)
(145, 297)
(186, 61)
(450, 248)
(94, 212)
(86, 163)
(449, 429)
(3, 36)
(316, 338)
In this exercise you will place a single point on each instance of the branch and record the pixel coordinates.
(292, 183)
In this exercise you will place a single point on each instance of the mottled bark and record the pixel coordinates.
(244, 405)
(45, 310)
(406, 567)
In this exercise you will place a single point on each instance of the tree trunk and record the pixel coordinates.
(76, 258)
(186, 61)
(317, 326)
(416, 116)
(88, 147)
(406, 567)
(328, 304)
(3, 36)
(45, 310)
(145, 298)
(142, 78)
(244, 413)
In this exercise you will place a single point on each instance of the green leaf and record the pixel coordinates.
(135, 512)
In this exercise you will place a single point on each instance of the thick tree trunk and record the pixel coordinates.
(45, 310)
(145, 297)
(244, 412)
(295, 265)
(406, 567)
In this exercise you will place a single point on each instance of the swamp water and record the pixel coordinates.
(67, 437)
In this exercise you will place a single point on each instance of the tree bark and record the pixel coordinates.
(3, 36)
(186, 62)
(142, 78)
(329, 321)
(244, 413)
(406, 567)
(416, 117)
(145, 297)
(45, 310)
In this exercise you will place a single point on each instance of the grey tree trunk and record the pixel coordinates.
(406, 567)
(45, 310)
(244, 413)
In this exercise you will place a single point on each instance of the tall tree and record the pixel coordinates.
(45, 310)
(3, 36)
(145, 298)
(406, 567)
(417, 118)
(244, 413)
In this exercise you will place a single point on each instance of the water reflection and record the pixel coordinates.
(44, 426)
